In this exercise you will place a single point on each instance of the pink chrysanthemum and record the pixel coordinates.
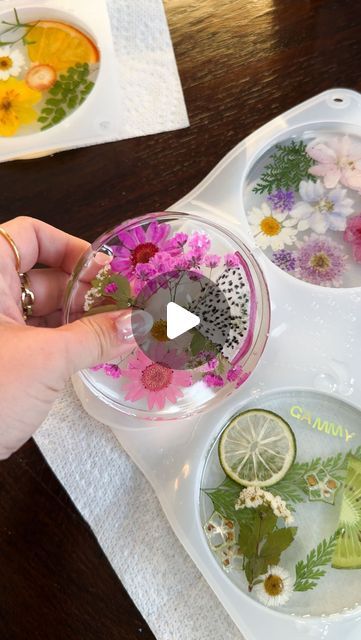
(156, 378)
(320, 261)
(139, 246)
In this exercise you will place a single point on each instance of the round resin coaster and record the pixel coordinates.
(180, 269)
(303, 205)
(295, 544)
(48, 67)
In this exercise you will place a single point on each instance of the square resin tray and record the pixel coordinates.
(290, 193)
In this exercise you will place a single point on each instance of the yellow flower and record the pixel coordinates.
(16, 105)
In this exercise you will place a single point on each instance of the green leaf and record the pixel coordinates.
(247, 540)
(60, 113)
(53, 102)
(276, 542)
(268, 521)
(309, 571)
(224, 498)
(101, 309)
(72, 102)
(43, 119)
(198, 343)
(288, 165)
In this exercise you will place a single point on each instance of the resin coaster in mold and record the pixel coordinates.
(147, 263)
(47, 70)
(57, 73)
(326, 430)
(302, 200)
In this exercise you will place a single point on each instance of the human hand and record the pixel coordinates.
(37, 357)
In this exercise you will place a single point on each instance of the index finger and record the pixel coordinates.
(38, 241)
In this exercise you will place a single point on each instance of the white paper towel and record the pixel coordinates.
(152, 97)
(124, 513)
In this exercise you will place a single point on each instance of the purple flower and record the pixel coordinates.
(112, 370)
(200, 241)
(212, 261)
(233, 374)
(195, 275)
(320, 261)
(284, 259)
(111, 287)
(232, 260)
(282, 200)
(182, 263)
(178, 240)
(162, 262)
(213, 380)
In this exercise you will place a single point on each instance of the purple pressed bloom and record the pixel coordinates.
(97, 367)
(213, 380)
(284, 259)
(282, 200)
(112, 370)
(212, 261)
(233, 374)
(200, 241)
(178, 240)
(162, 262)
(111, 287)
(320, 261)
(231, 260)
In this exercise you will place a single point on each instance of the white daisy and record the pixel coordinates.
(270, 228)
(275, 587)
(321, 209)
(11, 62)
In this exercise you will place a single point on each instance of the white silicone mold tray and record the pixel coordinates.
(311, 361)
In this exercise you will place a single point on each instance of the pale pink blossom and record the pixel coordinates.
(338, 160)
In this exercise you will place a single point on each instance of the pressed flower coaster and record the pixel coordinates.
(203, 269)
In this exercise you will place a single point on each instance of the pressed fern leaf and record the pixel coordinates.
(288, 165)
(309, 571)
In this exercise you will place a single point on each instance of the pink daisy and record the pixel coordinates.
(138, 246)
(156, 378)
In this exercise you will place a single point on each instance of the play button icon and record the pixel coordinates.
(191, 317)
(179, 320)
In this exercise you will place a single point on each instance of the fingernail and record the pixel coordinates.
(134, 325)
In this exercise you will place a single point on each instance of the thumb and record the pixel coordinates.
(96, 339)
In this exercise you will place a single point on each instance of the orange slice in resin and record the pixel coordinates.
(60, 45)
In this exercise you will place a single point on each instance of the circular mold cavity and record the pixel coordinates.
(49, 65)
(302, 198)
(327, 431)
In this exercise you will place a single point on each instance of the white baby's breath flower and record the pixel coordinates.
(275, 587)
(253, 497)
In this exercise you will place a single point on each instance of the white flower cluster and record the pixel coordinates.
(253, 497)
(95, 292)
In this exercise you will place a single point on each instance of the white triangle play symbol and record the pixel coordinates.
(179, 320)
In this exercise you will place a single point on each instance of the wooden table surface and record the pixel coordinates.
(241, 62)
